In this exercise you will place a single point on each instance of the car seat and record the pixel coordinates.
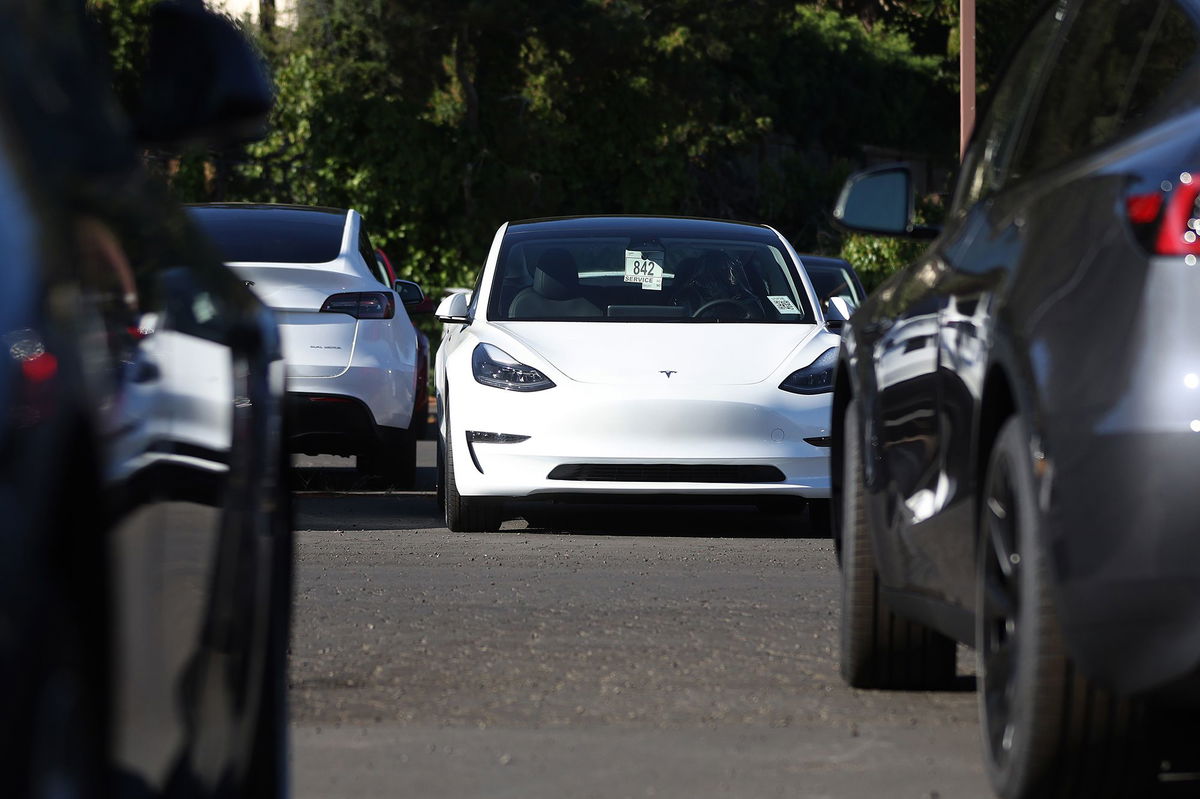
(555, 290)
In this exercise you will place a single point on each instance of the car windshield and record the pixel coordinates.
(646, 278)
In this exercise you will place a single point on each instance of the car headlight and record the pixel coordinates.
(494, 367)
(816, 378)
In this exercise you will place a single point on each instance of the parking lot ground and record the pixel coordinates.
(612, 651)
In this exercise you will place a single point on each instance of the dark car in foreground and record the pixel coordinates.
(1017, 415)
(145, 536)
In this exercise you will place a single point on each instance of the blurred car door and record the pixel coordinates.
(147, 533)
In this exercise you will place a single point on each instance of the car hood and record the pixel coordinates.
(631, 353)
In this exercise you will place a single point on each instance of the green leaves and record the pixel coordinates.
(441, 119)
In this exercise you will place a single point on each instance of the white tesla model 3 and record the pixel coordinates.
(637, 356)
(351, 351)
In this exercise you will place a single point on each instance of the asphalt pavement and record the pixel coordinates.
(608, 651)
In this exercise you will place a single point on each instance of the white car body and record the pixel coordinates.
(632, 395)
(338, 365)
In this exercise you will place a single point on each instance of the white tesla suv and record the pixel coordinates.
(350, 349)
(636, 356)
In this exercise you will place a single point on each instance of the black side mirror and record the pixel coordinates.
(880, 201)
(410, 293)
(203, 80)
(837, 312)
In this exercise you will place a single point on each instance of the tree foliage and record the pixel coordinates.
(440, 119)
(124, 25)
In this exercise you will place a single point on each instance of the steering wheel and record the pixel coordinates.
(746, 310)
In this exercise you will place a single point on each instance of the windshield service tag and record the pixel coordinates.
(783, 304)
(645, 267)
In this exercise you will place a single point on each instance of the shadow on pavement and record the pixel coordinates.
(348, 478)
(681, 520)
(328, 512)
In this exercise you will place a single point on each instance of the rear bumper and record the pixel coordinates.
(373, 361)
(331, 424)
(1125, 545)
(1119, 418)
(387, 393)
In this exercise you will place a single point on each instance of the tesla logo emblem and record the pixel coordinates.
(667, 372)
(248, 283)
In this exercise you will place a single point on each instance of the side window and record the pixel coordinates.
(985, 166)
(1118, 62)
(368, 254)
(380, 270)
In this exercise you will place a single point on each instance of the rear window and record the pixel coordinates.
(1122, 63)
(833, 281)
(258, 235)
(615, 277)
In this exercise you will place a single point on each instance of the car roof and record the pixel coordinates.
(825, 261)
(275, 208)
(638, 224)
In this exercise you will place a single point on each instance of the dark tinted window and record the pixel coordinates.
(986, 163)
(632, 272)
(373, 261)
(832, 281)
(269, 235)
(1119, 61)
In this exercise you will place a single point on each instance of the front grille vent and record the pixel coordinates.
(666, 473)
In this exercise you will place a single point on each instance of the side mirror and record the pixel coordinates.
(837, 312)
(453, 309)
(203, 80)
(410, 293)
(880, 201)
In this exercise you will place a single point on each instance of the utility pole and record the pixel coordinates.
(266, 17)
(966, 73)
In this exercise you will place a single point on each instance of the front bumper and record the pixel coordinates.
(598, 439)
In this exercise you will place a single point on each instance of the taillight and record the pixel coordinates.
(362, 304)
(1167, 221)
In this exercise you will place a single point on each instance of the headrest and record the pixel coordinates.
(686, 270)
(556, 277)
(714, 265)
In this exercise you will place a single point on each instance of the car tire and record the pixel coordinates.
(879, 649)
(819, 517)
(394, 459)
(468, 514)
(1047, 730)
(441, 475)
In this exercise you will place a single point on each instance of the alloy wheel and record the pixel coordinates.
(1000, 610)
